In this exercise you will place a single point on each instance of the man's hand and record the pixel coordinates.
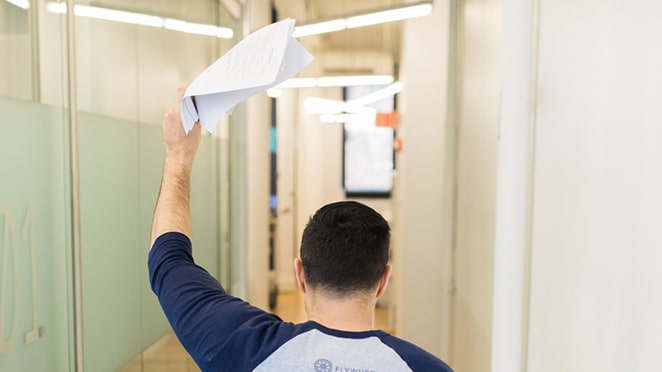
(180, 147)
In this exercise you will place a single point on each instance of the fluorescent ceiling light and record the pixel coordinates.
(322, 106)
(373, 97)
(274, 92)
(391, 15)
(368, 19)
(363, 110)
(298, 83)
(349, 118)
(354, 111)
(23, 4)
(141, 19)
(346, 81)
(118, 16)
(57, 8)
(341, 81)
(197, 28)
(319, 28)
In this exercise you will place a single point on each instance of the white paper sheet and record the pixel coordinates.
(260, 61)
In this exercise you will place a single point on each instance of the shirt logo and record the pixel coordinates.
(323, 365)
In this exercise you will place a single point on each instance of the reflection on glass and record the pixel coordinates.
(16, 47)
(127, 78)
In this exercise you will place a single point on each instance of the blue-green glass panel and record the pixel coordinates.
(111, 252)
(154, 324)
(120, 168)
(34, 239)
(204, 204)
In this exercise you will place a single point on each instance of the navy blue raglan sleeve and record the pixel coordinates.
(417, 358)
(199, 310)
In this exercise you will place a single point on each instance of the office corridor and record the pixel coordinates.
(521, 171)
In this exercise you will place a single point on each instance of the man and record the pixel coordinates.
(342, 272)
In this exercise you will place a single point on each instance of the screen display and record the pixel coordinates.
(368, 156)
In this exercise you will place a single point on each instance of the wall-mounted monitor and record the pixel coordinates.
(368, 153)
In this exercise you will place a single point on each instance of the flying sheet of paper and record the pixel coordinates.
(260, 61)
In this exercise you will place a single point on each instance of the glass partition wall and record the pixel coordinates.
(35, 240)
(126, 76)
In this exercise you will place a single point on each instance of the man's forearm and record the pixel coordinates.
(172, 212)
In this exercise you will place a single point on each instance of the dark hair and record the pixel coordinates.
(345, 248)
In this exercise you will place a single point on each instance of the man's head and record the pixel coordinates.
(345, 249)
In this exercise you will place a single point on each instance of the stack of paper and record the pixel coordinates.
(262, 60)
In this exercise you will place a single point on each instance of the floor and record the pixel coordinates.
(168, 355)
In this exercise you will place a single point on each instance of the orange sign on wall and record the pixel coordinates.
(387, 120)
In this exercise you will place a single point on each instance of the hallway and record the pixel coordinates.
(519, 170)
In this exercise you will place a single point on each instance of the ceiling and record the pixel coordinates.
(376, 40)
(384, 38)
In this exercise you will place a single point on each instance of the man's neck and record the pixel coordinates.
(353, 314)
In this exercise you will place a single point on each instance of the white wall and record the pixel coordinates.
(309, 172)
(513, 187)
(258, 124)
(478, 95)
(594, 296)
(319, 158)
(287, 242)
(596, 286)
(422, 242)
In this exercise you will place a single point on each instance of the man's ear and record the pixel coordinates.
(383, 281)
(298, 271)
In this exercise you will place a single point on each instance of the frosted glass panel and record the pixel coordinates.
(110, 227)
(120, 167)
(34, 250)
(127, 76)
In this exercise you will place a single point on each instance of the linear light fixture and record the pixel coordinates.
(323, 106)
(363, 119)
(368, 19)
(57, 8)
(274, 92)
(197, 28)
(376, 96)
(118, 16)
(390, 15)
(336, 81)
(346, 81)
(319, 28)
(142, 19)
(298, 83)
(23, 4)
(351, 112)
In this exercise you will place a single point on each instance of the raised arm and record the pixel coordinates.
(172, 212)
